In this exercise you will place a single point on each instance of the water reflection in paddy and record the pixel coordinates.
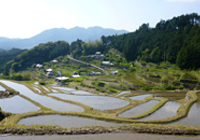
(37, 89)
(138, 109)
(140, 97)
(65, 89)
(193, 116)
(168, 110)
(65, 121)
(17, 104)
(45, 101)
(97, 102)
(2, 88)
(123, 92)
(80, 92)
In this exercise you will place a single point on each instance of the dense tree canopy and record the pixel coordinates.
(6, 56)
(176, 40)
(39, 54)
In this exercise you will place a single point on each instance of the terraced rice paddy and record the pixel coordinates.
(100, 106)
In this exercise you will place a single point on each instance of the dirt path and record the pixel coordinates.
(81, 62)
(119, 136)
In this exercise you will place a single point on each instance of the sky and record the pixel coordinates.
(26, 18)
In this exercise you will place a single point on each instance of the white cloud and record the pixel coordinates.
(25, 18)
(183, 0)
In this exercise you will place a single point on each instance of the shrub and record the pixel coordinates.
(146, 88)
(16, 77)
(79, 79)
(132, 69)
(42, 83)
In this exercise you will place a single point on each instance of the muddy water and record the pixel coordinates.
(45, 101)
(97, 102)
(138, 109)
(17, 104)
(193, 116)
(65, 121)
(168, 110)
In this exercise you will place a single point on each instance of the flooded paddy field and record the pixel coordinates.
(43, 100)
(80, 92)
(65, 121)
(71, 90)
(105, 108)
(2, 88)
(140, 97)
(37, 89)
(193, 117)
(17, 104)
(168, 110)
(65, 89)
(96, 102)
(123, 92)
(138, 109)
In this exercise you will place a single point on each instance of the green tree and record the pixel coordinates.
(6, 71)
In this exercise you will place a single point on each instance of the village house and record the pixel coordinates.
(61, 79)
(49, 73)
(54, 61)
(39, 66)
(75, 75)
(97, 55)
(107, 63)
(114, 72)
(95, 73)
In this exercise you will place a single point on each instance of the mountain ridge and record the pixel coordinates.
(62, 34)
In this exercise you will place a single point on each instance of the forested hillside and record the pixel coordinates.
(6, 56)
(39, 54)
(176, 41)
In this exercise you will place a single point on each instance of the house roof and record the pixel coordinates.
(49, 70)
(75, 76)
(39, 65)
(62, 78)
(54, 61)
(97, 53)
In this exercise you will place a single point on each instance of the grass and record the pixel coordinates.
(131, 77)
(163, 76)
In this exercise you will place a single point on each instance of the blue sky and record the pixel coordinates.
(26, 18)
